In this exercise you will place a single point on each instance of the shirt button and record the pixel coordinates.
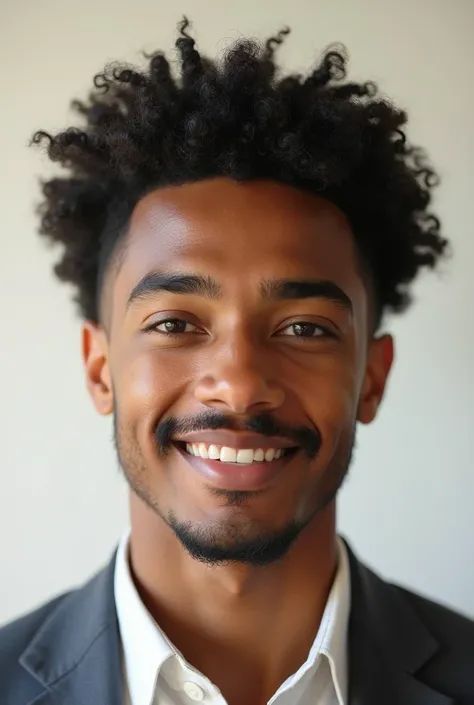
(193, 691)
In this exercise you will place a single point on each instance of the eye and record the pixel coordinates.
(305, 329)
(172, 327)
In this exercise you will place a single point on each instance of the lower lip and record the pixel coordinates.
(233, 476)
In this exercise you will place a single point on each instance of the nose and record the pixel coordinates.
(239, 379)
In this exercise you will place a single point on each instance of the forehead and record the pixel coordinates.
(238, 233)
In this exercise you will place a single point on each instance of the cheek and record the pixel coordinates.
(146, 386)
(330, 397)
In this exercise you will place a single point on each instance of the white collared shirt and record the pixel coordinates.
(156, 673)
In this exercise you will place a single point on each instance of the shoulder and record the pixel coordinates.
(417, 635)
(16, 634)
(451, 667)
(47, 643)
(453, 630)
(392, 604)
(15, 637)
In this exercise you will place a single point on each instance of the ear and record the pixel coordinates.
(95, 355)
(379, 363)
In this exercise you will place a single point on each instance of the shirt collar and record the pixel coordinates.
(138, 627)
(331, 641)
(332, 636)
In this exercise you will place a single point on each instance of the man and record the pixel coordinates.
(235, 239)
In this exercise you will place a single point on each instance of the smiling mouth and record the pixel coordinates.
(235, 456)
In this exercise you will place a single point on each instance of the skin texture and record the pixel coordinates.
(239, 358)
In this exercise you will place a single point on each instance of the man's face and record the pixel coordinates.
(239, 319)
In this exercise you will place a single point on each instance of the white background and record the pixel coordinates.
(407, 507)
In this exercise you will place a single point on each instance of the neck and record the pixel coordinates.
(235, 616)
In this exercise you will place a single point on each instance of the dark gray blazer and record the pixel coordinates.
(404, 649)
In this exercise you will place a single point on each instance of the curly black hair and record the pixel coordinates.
(239, 118)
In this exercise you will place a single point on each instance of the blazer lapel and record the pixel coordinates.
(76, 656)
(388, 644)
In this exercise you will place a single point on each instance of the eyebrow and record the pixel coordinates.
(174, 283)
(271, 289)
(285, 289)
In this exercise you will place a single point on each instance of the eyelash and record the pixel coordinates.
(168, 334)
(325, 332)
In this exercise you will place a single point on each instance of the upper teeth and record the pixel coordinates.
(233, 455)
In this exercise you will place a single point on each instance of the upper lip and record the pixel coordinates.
(231, 439)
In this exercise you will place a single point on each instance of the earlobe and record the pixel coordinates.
(95, 355)
(379, 363)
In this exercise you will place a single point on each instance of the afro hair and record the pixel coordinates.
(239, 118)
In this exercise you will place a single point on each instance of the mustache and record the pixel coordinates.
(265, 424)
